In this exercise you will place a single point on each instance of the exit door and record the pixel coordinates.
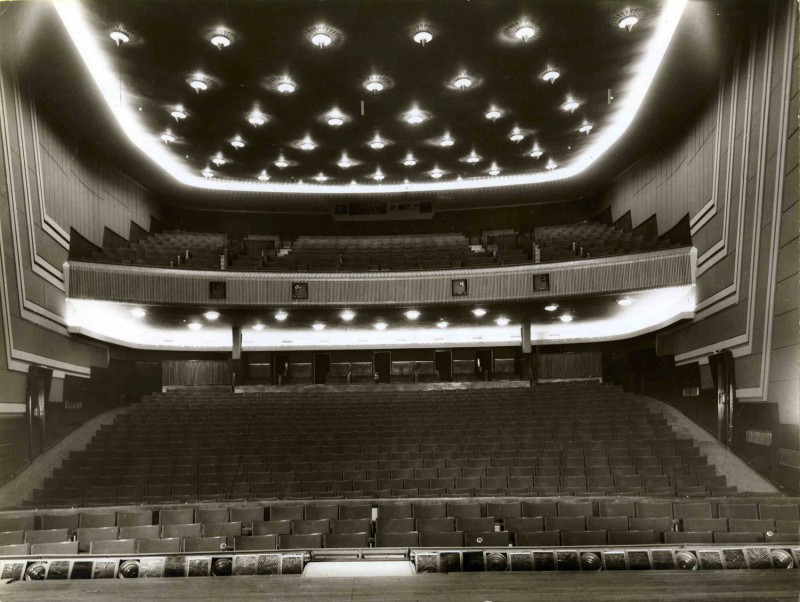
(382, 360)
(444, 365)
(483, 363)
(322, 365)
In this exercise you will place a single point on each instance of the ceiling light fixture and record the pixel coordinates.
(472, 158)
(178, 113)
(550, 75)
(194, 326)
(199, 83)
(237, 142)
(334, 118)
(423, 35)
(345, 162)
(258, 327)
(321, 178)
(219, 160)
(628, 21)
(318, 326)
(377, 142)
(281, 315)
(551, 307)
(257, 118)
(412, 314)
(585, 128)
(211, 315)
(493, 114)
(307, 144)
(207, 173)
(138, 312)
(570, 105)
(565, 318)
(380, 325)
(551, 165)
(167, 137)
(263, 176)
(463, 81)
(281, 162)
(625, 301)
(220, 40)
(525, 32)
(442, 324)
(494, 170)
(502, 321)
(119, 36)
(378, 175)
(436, 173)
(446, 141)
(479, 312)
(536, 152)
(409, 161)
(374, 84)
(516, 135)
(335, 121)
(285, 86)
(347, 315)
(414, 116)
(321, 39)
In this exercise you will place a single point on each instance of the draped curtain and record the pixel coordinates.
(195, 372)
(583, 364)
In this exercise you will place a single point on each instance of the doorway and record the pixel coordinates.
(322, 365)
(382, 361)
(443, 360)
(484, 364)
(280, 368)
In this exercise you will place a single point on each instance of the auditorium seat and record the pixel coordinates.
(295, 542)
(205, 544)
(113, 547)
(21, 549)
(396, 540)
(256, 542)
(139, 532)
(67, 548)
(538, 538)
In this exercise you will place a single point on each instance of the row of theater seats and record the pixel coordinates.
(424, 524)
(169, 249)
(570, 440)
(402, 372)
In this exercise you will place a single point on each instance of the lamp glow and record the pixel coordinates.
(220, 40)
(525, 32)
(551, 307)
(194, 326)
(551, 165)
(377, 142)
(321, 177)
(625, 301)
(479, 312)
(585, 128)
(565, 318)
(207, 173)
(167, 137)
(119, 36)
(378, 175)
(494, 170)
(263, 176)
(281, 315)
(423, 37)
(286, 86)
(442, 324)
(307, 144)
(211, 315)
(373, 84)
(237, 143)
(516, 135)
(472, 158)
(437, 173)
(335, 121)
(628, 22)
(178, 114)
(321, 39)
(380, 325)
(493, 114)
(256, 118)
(412, 314)
(318, 326)
(138, 312)
(258, 327)
(536, 152)
(463, 82)
(219, 160)
(502, 321)
(446, 141)
(570, 105)
(345, 162)
(347, 315)
(281, 162)
(414, 117)
(409, 161)
(198, 84)
(551, 75)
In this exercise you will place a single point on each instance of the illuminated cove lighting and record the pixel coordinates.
(122, 103)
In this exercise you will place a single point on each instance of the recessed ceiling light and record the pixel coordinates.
(472, 158)
(307, 144)
(423, 35)
(167, 137)
(211, 315)
(442, 324)
(585, 128)
(237, 142)
(347, 315)
(318, 326)
(281, 315)
(625, 301)
(219, 160)
(516, 135)
(565, 318)
(415, 116)
(220, 40)
(285, 85)
(463, 81)
(479, 311)
(628, 22)
(494, 170)
(502, 321)
(281, 162)
(378, 175)
(409, 161)
(321, 177)
(178, 113)
(321, 39)
(551, 165)
(345, 162)
(550, 74)
(258, 327)
(570, 105)
(436, 173)
(194, 326)
(207, 173)
(551, 307)
(257, 118)
(375, 83)
(377, 142)
(525, 32)
(263, 176)
(446, 141)
(138, 312)
(119, 36)
(412, 314)
(199, 83)
(494, 114)
(536, 152)
(380, 325)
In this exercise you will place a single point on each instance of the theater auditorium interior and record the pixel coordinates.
(409, 300)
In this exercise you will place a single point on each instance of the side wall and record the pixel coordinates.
(734, 170)
(47, 189)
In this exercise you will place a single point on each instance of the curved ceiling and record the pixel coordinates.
(349, 98)
(646, 78)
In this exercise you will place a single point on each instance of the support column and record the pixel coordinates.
(237, 372)
(527, 357)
